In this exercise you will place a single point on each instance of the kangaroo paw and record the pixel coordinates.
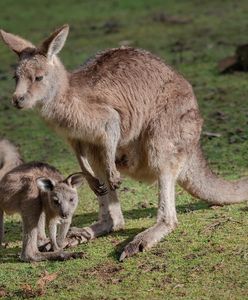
(147, 239)
(114, 180)
(97, 187)
(134, 247)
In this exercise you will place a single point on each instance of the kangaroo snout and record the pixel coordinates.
(64, 215)
(17, 100)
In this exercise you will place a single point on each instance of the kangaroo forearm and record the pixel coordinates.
(81, 157)
(62, 232)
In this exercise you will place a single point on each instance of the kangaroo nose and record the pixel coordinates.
(17, 100)
(64, 215)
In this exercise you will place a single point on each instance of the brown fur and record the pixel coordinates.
(124, 108)
(19, 193)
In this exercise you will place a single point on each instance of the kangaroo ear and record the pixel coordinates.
(75, 180)
(16, 43)
(52, 45)
(45, 184)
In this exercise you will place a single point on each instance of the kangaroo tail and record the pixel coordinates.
(201, 182)
(9, 157)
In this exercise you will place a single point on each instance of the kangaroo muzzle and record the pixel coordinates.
(18, 100)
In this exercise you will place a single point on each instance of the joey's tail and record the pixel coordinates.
(9, 157)
(201, 182)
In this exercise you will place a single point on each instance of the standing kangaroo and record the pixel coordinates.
(123, 109)
(38, 192)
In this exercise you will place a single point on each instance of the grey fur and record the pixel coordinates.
(19, 193)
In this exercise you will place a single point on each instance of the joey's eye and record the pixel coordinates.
(56, 202)
(71, 199)
(38, 78)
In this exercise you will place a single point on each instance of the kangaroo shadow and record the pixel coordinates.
(13, 229)
(13, 233)
(88, 218)
(9, 255)
(138, 213)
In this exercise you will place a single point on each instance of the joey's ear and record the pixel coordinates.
(75, 180)
(16, 43)
(45, 184)
(52, 45)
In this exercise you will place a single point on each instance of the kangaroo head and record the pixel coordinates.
(62, 196)
(38, 71)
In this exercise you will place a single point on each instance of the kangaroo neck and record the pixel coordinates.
(59, 92)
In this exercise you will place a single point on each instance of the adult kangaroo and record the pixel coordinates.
(123, 109)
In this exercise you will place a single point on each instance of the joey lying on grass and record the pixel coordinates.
(39, 193)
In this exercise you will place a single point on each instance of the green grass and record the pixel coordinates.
(206, 256)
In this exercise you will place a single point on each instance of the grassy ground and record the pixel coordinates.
(206, 257)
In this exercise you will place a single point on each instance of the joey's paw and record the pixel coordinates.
(71, 255)
(97, 187)
(115, 180)
(134, 247)
(77, 236)
(62, 244)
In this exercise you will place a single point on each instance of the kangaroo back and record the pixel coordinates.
(9, 157)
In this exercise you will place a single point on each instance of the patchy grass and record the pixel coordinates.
(206, 257)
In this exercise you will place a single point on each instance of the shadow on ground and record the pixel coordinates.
(137, 213)
(13, 228)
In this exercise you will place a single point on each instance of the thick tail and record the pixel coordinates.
(201, 182)
(9, 157)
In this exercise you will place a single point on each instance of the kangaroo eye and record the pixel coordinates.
(15, 77)
(71, 200)
(38, 78)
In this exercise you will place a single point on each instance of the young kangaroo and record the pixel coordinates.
(123, 108)
(36, 190)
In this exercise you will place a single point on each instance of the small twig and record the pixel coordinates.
(218, 223)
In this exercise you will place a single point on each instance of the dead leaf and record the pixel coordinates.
(237, 62)
(211, 134)
(27, 291)
(228, 64)
(45, 279)
(219, 115)
(125, 43)
(3, 292)
(218, 223)
(218, 267)
(214, 207)
(111, 26)
(179, 286)
(190, 256)
(162, 17)
(143, 204)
